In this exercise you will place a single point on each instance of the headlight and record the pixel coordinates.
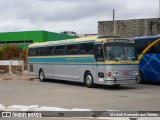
(108, 74)
(136, 73)
(113, 73)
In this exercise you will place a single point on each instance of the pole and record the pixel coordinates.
(10, 66)
(114, 27)
(159, 8)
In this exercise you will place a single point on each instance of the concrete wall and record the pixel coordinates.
(131, 28)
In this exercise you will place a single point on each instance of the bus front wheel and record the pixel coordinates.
(88, 79)
(41, 76)
(141, 77)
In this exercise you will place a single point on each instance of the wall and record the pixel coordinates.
(131, 28)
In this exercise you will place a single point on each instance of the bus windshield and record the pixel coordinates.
(120, 51)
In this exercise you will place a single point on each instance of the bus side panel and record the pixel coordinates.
(88, 68)
(34, 69)
(64, 72)
(65, 69)
(150, 64)
(100, 68)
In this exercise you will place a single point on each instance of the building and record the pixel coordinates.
(86, 35)
(71, 33)
(131, 28)
(24, 38)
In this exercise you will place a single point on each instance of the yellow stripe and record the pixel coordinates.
(122, 62)
(147, 48)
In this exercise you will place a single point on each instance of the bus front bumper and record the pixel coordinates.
(117, 81)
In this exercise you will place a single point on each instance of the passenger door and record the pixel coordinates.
(100, 61)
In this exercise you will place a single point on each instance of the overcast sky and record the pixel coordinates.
(81, 16)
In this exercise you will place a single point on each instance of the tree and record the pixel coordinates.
(9, 52)
(24, 57)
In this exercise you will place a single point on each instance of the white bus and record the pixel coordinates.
(108, 60)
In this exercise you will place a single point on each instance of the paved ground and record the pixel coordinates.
(69, 95)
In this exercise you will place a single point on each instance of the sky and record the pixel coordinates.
(80, 16)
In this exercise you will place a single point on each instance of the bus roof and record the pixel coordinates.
(64, 41)
(98, 38)
(147, 37)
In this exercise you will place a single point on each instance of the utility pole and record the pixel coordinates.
(114, 26)
(159, 8)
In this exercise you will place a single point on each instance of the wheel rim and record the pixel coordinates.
(89, 80)
(41, 75)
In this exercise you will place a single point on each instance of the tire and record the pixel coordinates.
(41, 76)
(116, 86)
(141, 77)
(88, 80)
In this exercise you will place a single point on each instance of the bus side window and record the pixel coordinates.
(73, 49)
(32, 52)
(37, 51)
(60, 50)
(52, 50)
(49, 51)
(86, 48)
(99, 53)
(42, 51)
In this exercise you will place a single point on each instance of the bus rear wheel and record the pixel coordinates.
(88, 79)
(42, 76)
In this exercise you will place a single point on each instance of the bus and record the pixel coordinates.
(148, 50)
(108, 60)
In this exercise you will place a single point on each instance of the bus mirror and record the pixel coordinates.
(133, 58)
